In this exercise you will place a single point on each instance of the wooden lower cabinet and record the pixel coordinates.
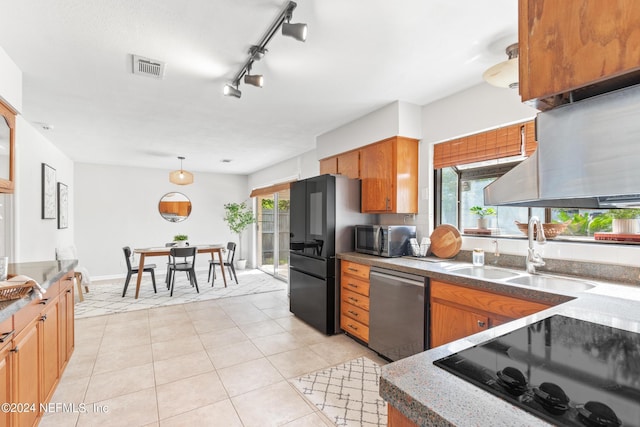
(452, 323)
(5, 371)
(458, 311)
(26, 375)
(34, 353)
(354, 299)
(395, 418)
(49, 350)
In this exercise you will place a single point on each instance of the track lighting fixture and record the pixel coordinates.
(256, 52)
(254, 80)
(229, 90)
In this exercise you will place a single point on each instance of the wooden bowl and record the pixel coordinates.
(551, 230)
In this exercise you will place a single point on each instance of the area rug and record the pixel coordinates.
(347, 394)
(105, 297)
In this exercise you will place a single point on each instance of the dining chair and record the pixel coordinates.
(135, 269)
(231, 252)
(168, 245)
(187, 264)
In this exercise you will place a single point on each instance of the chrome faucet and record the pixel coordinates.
(534, 259)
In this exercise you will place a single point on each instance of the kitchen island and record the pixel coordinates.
(427, 395)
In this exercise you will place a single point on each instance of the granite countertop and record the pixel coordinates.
(430, 396)
(44, 272)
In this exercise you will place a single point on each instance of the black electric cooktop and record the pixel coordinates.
(566, 371)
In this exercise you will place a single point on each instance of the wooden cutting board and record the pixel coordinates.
(445, 241)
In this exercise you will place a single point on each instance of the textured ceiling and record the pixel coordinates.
(359, 56)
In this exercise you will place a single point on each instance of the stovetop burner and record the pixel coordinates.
(567, 371)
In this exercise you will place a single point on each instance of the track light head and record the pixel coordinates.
(254, 79)
(297, 31)
(229, 90)
(257, 52)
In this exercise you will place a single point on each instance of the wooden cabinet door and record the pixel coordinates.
(349, 164)
(50, 354)
(376, 170)
(450, 323)
(65, 325)
(5, 380)
(329, 165)
(567, 45)
(26, 374)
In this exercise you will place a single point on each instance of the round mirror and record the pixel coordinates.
(174, 207)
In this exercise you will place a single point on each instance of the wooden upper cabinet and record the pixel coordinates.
(347, 164)
(389, 173)
(329, 165)
(576, 48)
(7, 151)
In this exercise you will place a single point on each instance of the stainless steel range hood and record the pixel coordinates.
(588, 156)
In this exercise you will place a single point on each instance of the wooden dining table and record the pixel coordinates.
(164, 251)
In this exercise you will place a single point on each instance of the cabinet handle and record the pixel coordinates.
(68, 291)
(7, 335)
(14, 350)
(44, 301)
(352, 269)
(353, 299)
(43, 317)
(353, 312)
(353, 327)
(481, 324)
(352, 285)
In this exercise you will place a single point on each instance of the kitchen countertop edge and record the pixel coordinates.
(45, 273)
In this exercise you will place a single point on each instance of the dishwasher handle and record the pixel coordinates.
(412, 280)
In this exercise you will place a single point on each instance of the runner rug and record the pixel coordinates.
(347, 394)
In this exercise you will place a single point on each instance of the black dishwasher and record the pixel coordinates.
(398, 321)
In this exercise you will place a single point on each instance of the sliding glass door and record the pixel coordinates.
(273, 234)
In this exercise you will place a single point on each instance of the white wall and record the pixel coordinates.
(36, 238)
(398, 118)
(300, 167)
(10, 82)
(118, 206)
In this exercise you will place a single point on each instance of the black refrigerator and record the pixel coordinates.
(323, 213)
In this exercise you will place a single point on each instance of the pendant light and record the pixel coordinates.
(181, 177)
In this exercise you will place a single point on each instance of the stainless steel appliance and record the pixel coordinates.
(587, 157)
(397, 314)
(567, 371)
(384, 240)
(323, 211)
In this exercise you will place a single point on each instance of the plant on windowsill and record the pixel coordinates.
(482, 213)
(238, 217)
(624, 221)
(180, 239)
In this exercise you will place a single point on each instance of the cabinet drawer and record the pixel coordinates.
(355, 299)
(355, 313)
(354, 328)
(32, 311)
(355, 269)
(489, 302)
(354, 284)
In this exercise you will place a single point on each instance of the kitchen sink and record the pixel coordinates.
(551, 282)
(485, 273)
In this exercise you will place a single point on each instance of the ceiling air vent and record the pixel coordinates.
(148, 67)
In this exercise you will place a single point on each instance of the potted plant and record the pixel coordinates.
(180, 239)
(482, 213)
(624, 221)
(238, 217)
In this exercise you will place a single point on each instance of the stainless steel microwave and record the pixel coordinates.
(384, 240)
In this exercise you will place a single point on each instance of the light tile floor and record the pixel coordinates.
(221, 362)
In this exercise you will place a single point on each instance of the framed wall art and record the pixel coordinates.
(63, 205)
(48, 192)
